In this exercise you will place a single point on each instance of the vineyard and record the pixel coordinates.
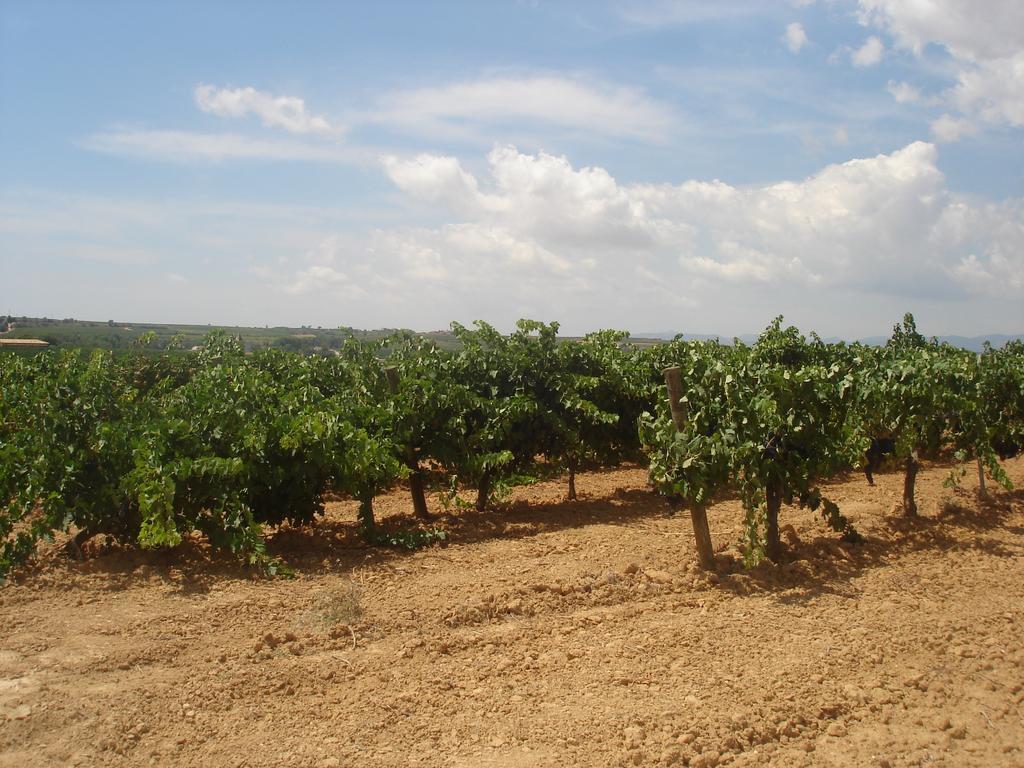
(149, 449)
(472, 568)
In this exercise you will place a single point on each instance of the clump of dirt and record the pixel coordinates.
(545, 633)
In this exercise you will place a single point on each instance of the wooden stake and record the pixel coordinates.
(698, 514)
(674, 385)
(981, 467)
(392, 375)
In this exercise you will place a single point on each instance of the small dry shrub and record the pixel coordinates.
(339, 605)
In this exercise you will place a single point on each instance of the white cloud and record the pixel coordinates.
(534, 236)
(317, 276)
(795, 37)
(437, 179)
(948, 128)
(189, 145)
(985, 43)
(321, 269)
(287, 112)
(535, 231)
(992, 91)
(991, 236)
(460, 109)
(904, 93)
(968, 29)
(868, 54)
(473, 110)
(743, 264)
(851, 247)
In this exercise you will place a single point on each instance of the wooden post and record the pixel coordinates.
(392, 376)
(698, 514)
(416, 485)
(674, 385)
(982, 492)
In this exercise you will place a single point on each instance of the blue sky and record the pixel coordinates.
(655, 166)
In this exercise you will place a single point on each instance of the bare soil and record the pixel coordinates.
(546, 633)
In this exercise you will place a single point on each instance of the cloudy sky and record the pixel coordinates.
(653, 166)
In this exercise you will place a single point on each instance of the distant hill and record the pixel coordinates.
(117, 335)
(108, 334)
(973, 343)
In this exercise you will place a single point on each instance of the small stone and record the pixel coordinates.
(912, 681)
(881, 696)
(659, 577)
(852, 692)
(836, 729)
(633, 736)
(555, 658)
(671, 756)
(631, 569)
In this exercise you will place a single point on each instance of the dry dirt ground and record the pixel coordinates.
(545, 634)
